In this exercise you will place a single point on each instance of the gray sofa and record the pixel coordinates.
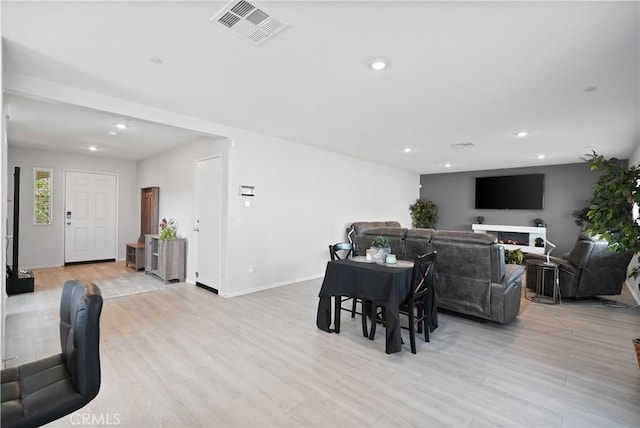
(471, 275)
(589, 269)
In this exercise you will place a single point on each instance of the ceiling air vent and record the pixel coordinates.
(250, 21)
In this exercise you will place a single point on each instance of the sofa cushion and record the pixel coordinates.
(420, 233)
(386, 231)
(581, 252)
(468, 237)
(361, 226)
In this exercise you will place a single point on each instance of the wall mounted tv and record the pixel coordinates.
(510, 192)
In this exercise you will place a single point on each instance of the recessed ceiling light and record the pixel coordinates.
(521, 134)
(540, 156)
(155, 60)
(121, 126)
(378, 64)
(447, 165)
(407, 150)
(93, 148)
(112, 133)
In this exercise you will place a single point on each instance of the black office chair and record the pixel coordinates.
(347, 251)
(42, 391)
(419, 304)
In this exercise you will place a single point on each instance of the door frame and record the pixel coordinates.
(63, 217)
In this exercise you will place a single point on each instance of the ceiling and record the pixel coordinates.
(458, 72)
(39, 124)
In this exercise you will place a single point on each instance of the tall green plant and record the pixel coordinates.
(423, 214)
(609, 212)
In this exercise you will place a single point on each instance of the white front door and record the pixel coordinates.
(208, 221)
(90, 217)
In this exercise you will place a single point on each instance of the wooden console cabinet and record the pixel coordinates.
(165, 258)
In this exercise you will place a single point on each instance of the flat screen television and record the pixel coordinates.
(510, 192)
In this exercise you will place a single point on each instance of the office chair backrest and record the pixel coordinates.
(80, 308)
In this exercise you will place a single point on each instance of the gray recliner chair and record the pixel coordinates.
(42, 391)
(589, 269)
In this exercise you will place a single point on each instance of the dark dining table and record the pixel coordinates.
(385, 285)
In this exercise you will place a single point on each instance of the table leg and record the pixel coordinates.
(393, 333)
(323, 319)
(336, 316)
(364, 318)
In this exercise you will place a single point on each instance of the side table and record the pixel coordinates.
(542, 270)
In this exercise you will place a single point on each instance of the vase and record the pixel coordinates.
(379, 254)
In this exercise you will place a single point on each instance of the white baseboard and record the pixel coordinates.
(269, 286)
(42, 266)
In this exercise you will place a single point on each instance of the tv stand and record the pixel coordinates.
(515, 237)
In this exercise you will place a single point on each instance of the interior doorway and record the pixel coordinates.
(90, 217)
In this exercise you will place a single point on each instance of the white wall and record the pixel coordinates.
(173, 172)
(305, 199)
(634, 159)
(43, 246)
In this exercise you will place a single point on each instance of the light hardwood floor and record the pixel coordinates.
(185, 357)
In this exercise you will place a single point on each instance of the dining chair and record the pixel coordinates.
(339, 251)
(419, 303)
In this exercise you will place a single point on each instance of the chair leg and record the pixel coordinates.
(412, 330)
(426, 329)
(428, 313)
(353, 307)
(420, 314)
(363, 307)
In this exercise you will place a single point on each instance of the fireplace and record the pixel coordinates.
(513, 238)
(516, 237)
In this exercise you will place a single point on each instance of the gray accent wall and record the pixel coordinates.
(566, 188)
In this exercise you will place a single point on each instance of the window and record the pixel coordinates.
(42, 190)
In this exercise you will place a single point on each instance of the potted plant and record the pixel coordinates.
(380, 247)
(539, 222)
(513, 257)
(609, 212)
(539, 242)
(168, 229)
(480, 219)
(423, 214)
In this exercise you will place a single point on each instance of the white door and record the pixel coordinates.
(208, 221)
(90, 217)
